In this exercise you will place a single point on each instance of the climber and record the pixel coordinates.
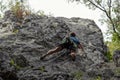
(69, 42)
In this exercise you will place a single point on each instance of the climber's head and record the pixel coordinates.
(72, 34)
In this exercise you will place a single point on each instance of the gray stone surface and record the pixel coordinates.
(116, 57)
(21, 50)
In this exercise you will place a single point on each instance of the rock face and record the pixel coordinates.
(116, 57)
(20, 51)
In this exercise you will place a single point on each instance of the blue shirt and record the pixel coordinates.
(75, 40)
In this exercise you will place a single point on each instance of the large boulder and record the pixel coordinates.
(37, 34)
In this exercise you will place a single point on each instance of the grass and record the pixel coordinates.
(78, 75)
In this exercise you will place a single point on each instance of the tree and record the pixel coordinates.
(111, 12)
(17, 6)
(110, 8)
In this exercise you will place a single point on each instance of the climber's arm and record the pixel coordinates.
(83, 52)
(80, 47)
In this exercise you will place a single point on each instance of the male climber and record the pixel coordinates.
(70, 42)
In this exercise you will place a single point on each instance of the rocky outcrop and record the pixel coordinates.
(116, 57)
(21, 49)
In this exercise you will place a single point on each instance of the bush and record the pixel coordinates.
(113, 45)
(78, 75)
(20, 9)
(109, 56)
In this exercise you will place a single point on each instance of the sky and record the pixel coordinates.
(63, 8)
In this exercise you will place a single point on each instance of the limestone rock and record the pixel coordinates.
(37, 34)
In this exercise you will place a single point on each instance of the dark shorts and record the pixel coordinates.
(67, 46)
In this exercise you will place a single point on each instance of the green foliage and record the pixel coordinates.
(15, 31)
(12, 63)
(98, 78)
(116, 38)
(110, 9)
(108, 55)
(118, 71)
(114, 44)
(19, 7)
(78, 75)
(42, 69)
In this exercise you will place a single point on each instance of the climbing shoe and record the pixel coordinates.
(73, 58)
